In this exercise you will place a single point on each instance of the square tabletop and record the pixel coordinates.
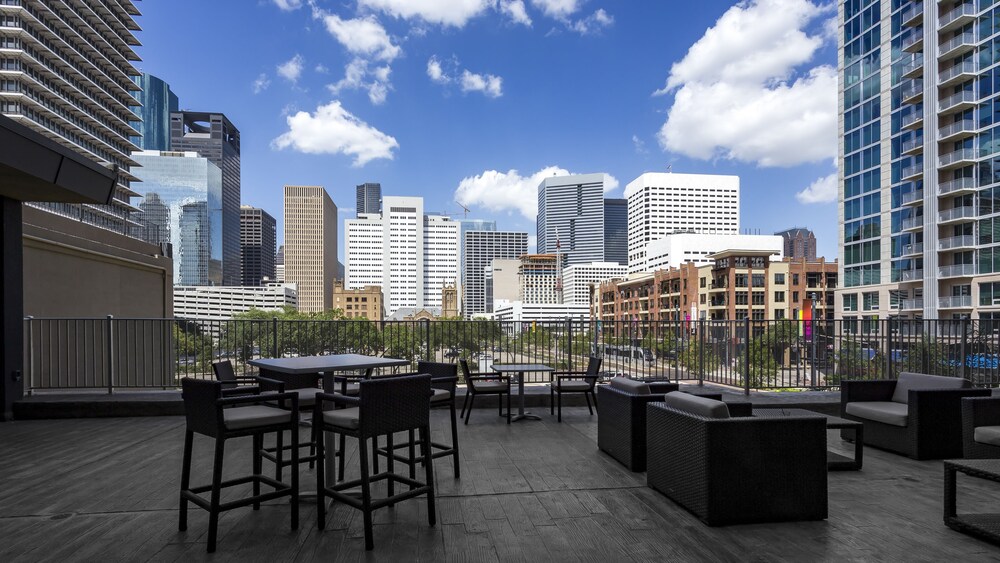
(505, 368)
(332, 362)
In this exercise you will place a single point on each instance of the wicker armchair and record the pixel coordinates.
(981, 427)
(738, 470)
(574, 382)
(917, 415)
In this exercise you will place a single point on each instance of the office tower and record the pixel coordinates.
(578, 278)
(258, 237)
(661, 204)
(156, 103)
(310, 257)
(466, 226)
(616, 231)
(800, 243)
(66, 68)
(279, 265)
(369, 198)
(213, 136)
(481, 248)
(571, 209)
(538, 279)
(154, 216)
(409, 254)
(178, 181)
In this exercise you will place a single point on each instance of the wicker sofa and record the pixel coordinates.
(738, 470)
(621, 425)
(917, 415)
(981, 427)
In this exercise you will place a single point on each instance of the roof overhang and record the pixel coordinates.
(35, 168)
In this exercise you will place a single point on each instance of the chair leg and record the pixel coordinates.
(375, 453)
(295, 475)
(343, 457)
(468, 412)
(185, 479)
(593, 395)
(390, 463)
(213, 511)
(320, 477)
(279, 456)
(508, 404)
(559, 402)
(258, 443)
(465, 402)
(412, 452)
(425, 445)
(552, 399)
(366, 496)
(312, 447)
(454, 441)
(586, 395)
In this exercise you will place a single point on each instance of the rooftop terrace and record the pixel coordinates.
(89, 489)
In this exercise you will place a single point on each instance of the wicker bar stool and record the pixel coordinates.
(491, 384)
(210, 413)
(384, 406)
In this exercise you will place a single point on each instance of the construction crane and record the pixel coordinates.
(464, 208)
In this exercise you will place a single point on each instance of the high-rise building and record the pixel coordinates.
(578, 278)
(214, 137)
(481, 248)
(310, 257)
(189, 187)
(66, 73)
(409, 254)
(466, 226)
(616, 231)
(279, 265)
(661, 204)
(154, 216)
(369, 198)
(156, 103)
(571, 211)
(800, 243)
(258, 238)
(538, 279)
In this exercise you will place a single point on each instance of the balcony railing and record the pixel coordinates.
(912, 171)
(957, 157)
(957, 213)
(957, 129)
(957, 271)
(963, 98)
(911, 223)
(913, 92)
(911, 197)
(956, 185)
(911, 275)
(913, 249)
(961, 15)
(914, 41)
(955, 302)
(957, 45)
(961, 71)
(913, 146)
(964, 241)
(911, 304)
(911, 120)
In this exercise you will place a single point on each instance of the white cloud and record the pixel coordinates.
(361, 36)
(639, 144)
(509, 191)
(288, 5)
(739, 92)
(592, 23)
(823, 190)
(488, 84)
(558, 9)
(320, 68)
(358, 75)
(435, 72)
(260, 83)
(291, 69)
(333, 130)
(454, 13)
(516, 11)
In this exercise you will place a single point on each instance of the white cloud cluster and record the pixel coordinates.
(333, 130)
(510, 191)
(360, 75)
(557, 8)
(291, 69)
(260, 83)
(489, 84)
(288, 5)
(823, 190)
(516, 11)
(435, 72)
(737, 94)
(455, 13)
(363, 36)
(592, 23)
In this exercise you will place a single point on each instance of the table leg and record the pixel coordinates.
(859, 442)
(521, 414)
(950, 509)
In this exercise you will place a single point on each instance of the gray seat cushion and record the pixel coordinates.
(987, 435)
(489, 386)
(572, 385)
(352, 389)
(887, 412)
(344, 418)
(440, 396)
(909, 381)
(709, 408)
(630, 385)
(241, 418)
(307, 396)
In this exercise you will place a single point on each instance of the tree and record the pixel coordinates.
(766, 351)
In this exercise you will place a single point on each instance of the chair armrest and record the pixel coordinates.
(495, 377)
(662, 387)
(444, 379)
(258, 399)
(873, 390)
(239, 391)
(582, 375)
(932, 406)
(336, 398)
(980, 411)
(568, 373)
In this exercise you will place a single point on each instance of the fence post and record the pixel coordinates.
(965, 348)
(746, 356)
(569, 343)
(427, 339)
(110, 349)
(701, 353)
(31, 354)
(274, 337)
(888, 348)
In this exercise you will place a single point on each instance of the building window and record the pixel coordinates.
(989, 294)
(850, 301)
(870, 301)
(741, 280)
(757, 280)
(779, 279)
(702, 282)
(795, 297)
(779, 296)
(795, 279)
(779, 314)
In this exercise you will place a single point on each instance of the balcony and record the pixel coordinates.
(912, 172)
(957, 159)
(913, 146)
(958, 130)
(914, 42)
(961, 15)
(955, 302)
(961, 101)
(959, 242)
(957, 186)
(912, 198)
(914, 92)
(911, 275)
(913, 68)
(914, 120)
(957, 271)
(961, 72)
(957, 45)
(913, 249)
(912, 224)
(911, 304)
(957, 214)
(912, 15)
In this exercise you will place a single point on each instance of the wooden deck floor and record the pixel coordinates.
(106, 490)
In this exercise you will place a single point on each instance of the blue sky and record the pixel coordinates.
(474, 100)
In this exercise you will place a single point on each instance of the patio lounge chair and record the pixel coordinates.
(981, 427)
(917, 415)
(736, 470)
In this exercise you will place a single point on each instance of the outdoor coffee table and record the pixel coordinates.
(520, 370)
(984, 526)
(834, 461)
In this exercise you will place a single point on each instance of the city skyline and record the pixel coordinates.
(466, 122)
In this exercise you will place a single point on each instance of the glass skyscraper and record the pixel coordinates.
(157, 102)
(616, 231)
(190, 187)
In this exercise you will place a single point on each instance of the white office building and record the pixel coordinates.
(660, 204)
(527, 312)
(578, 278)
(673, 250)
(481, 249)
(220, 303)
(409, 254)
(571, 209)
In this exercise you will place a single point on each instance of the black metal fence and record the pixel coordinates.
(109, 353)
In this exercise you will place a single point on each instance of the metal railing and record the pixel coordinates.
(109, 353)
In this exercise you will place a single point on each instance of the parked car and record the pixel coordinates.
(452, 353)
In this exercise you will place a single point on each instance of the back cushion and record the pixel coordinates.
(709, 408)
(630, 385)
(909, 381)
